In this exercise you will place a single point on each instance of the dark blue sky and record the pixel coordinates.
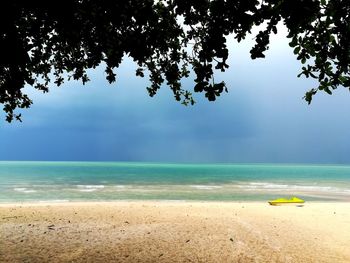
(262, 119)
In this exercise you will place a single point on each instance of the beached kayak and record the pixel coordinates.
(292, 200)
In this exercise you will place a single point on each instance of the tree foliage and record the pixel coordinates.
(44, 41)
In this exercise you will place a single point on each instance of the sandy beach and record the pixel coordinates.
(174, 232)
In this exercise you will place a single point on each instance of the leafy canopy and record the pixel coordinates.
(43, 41)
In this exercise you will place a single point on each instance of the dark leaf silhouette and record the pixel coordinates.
(44, 41)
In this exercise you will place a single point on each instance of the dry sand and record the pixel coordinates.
(174, 232)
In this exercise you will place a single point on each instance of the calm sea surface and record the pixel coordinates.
(93, 181)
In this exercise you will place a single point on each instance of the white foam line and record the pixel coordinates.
(277, 187)
(206, 187)
(24, 190)
(91, 186)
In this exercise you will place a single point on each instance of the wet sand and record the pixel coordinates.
(174, 232)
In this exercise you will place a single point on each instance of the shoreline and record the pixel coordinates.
(163, 231)
(157, 201)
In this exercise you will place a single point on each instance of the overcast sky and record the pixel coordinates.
(263, 118)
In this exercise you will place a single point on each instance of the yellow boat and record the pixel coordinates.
(292, 200)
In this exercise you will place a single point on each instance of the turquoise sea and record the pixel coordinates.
(94, 181)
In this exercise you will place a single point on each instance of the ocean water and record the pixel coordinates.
(107, 181)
